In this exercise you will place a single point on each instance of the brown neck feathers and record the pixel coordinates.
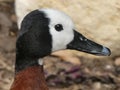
(31, 78)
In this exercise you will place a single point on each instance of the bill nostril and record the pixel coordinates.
(83, 39)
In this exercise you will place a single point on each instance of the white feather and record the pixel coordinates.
(60, 39)
(40, 61)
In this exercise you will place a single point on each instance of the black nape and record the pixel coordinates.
(34, 40)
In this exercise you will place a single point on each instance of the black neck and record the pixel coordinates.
(23, 62)
(34, 40)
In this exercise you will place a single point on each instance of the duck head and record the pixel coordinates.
(47, 30)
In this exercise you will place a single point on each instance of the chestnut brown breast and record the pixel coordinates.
(31, 78)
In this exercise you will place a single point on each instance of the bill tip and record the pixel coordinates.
(106, 51)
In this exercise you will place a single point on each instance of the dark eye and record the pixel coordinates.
(58, 27)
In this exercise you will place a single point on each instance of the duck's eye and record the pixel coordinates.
(58, 27)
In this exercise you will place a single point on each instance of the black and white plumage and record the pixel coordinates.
(42, 32)
(47, 30)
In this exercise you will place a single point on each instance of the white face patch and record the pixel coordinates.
(60, 39)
